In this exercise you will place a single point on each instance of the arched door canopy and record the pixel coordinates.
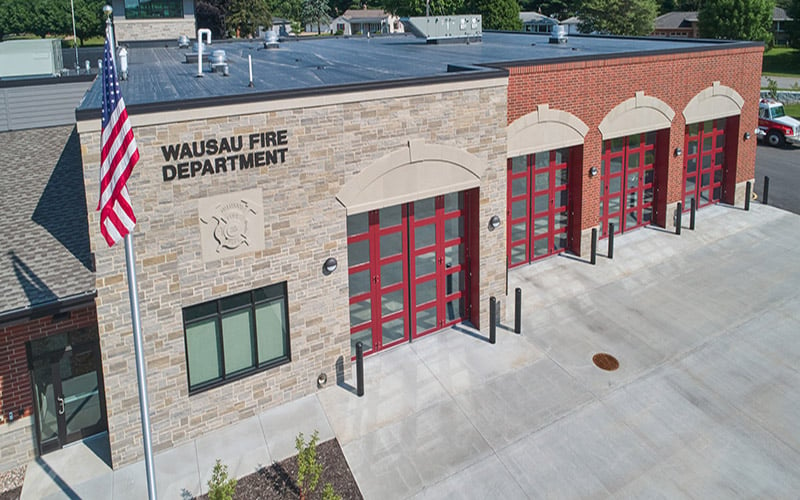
(716, 101)
(543, 130)
(411, 173)
(636, 115)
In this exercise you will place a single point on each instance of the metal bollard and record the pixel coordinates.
(359, 369)
(678, 219)
(765, 195)
(492, 320)
(593, 257)
(610, 240)
(518, 310)
(747, 194)
(692, 214)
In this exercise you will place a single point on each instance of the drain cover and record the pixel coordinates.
(605, 361)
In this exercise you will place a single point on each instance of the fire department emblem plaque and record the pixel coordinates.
(231, 224)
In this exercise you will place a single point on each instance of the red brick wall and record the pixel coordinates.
(15, 382)
(590, 89)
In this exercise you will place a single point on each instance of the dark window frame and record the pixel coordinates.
(155, 10)
(273, 293)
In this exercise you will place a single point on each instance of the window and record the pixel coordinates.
(229, 338)
(153, 9)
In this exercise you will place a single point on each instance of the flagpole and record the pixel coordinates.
(141, 376)
(138, 347)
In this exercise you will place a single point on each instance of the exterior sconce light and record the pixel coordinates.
(592, 171)
(494, 222)
(322, 379)
(329, 266)
(678, 151)
(747, 136)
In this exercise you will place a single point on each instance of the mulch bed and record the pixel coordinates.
(278, 480)
(15, 494)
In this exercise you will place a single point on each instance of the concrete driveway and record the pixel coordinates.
(703, 405)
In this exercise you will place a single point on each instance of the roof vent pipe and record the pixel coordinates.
(200, 33)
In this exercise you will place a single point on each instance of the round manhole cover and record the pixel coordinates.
(605, 361)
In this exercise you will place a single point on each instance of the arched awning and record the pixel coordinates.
(636, 115)
(543, 130)
(411, 173)
(716, 101)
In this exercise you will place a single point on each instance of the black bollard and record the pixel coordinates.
(359, 369)
(593, 257)
(747, 195)
(492, 320)
(678, 218)
(610, 240)
(765, 195)
(518, 310)
(692, 214)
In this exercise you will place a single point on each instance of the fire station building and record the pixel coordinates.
(361, 189)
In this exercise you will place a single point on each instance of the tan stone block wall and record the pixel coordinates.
(304, 225)
(17, 442)
(154, 29)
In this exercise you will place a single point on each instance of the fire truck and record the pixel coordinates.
(775, 126)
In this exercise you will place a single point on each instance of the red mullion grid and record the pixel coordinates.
(413, 252)
(526, 218)
(556, 168)
(444, 271)
(640, 150)
(370, 294)
(715, 150)
(608, 155)
(696, 174)
(377, 306)
(548, 211)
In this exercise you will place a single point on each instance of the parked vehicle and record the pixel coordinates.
(775, 126)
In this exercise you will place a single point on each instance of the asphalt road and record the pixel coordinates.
(782, 166)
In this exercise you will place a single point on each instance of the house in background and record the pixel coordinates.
(362, 21)
(535, 22)
(685, 24)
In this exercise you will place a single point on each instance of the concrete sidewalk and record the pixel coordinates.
(704, 404)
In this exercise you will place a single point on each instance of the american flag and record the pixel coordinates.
(117, 157)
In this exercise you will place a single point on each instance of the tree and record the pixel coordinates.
(794, 25)
(89, 18)
(408, 8)
(245, 16)
(618, 17)
(210, 14)
(736, 19)
(314, 11)
(497, 14)
(337, 7)
(45, 17)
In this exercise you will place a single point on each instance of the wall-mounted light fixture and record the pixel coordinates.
(678, 151)
(592, 171)
(329, 266)
(322, 379)
(747, 136)
(494, 222)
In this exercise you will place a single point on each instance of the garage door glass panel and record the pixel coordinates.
(540, 247)
(453, 228)
(363, 336)
(453, 255)
(426, 292)
(360, 312)
(519, 209)
(542, 181)
(392, 302)
(424, 209)
(359, 283)
(390, 216)
(541, 225)
(391, 274)
(394, 330)
(519, 164)
(708, 188)
(454, 310)
(453, 202)
(426, 320)
(424, 236)
(541, 203)
(425, 264)
(357, 224)
(391, 244)
(358, 252)
(519, 186)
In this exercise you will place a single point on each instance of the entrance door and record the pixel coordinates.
(628, 184)
(703, 163)
(407, 270)
(68, 395)
(537, 205)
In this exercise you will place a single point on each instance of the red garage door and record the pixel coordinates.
(704, 162)
(627, 188)
(407, 268)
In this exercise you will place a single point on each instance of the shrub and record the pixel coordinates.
(220, 487)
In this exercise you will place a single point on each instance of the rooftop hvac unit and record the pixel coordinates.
(20, 58)
(559, 34)
(438, 29)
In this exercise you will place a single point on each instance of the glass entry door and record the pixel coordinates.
(67, 388)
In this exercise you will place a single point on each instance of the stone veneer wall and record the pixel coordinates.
(304, 224)
(154, 29)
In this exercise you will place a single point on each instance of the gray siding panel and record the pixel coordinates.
(40, 105)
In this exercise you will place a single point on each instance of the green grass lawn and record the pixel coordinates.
(781, 61)
(792, 109)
